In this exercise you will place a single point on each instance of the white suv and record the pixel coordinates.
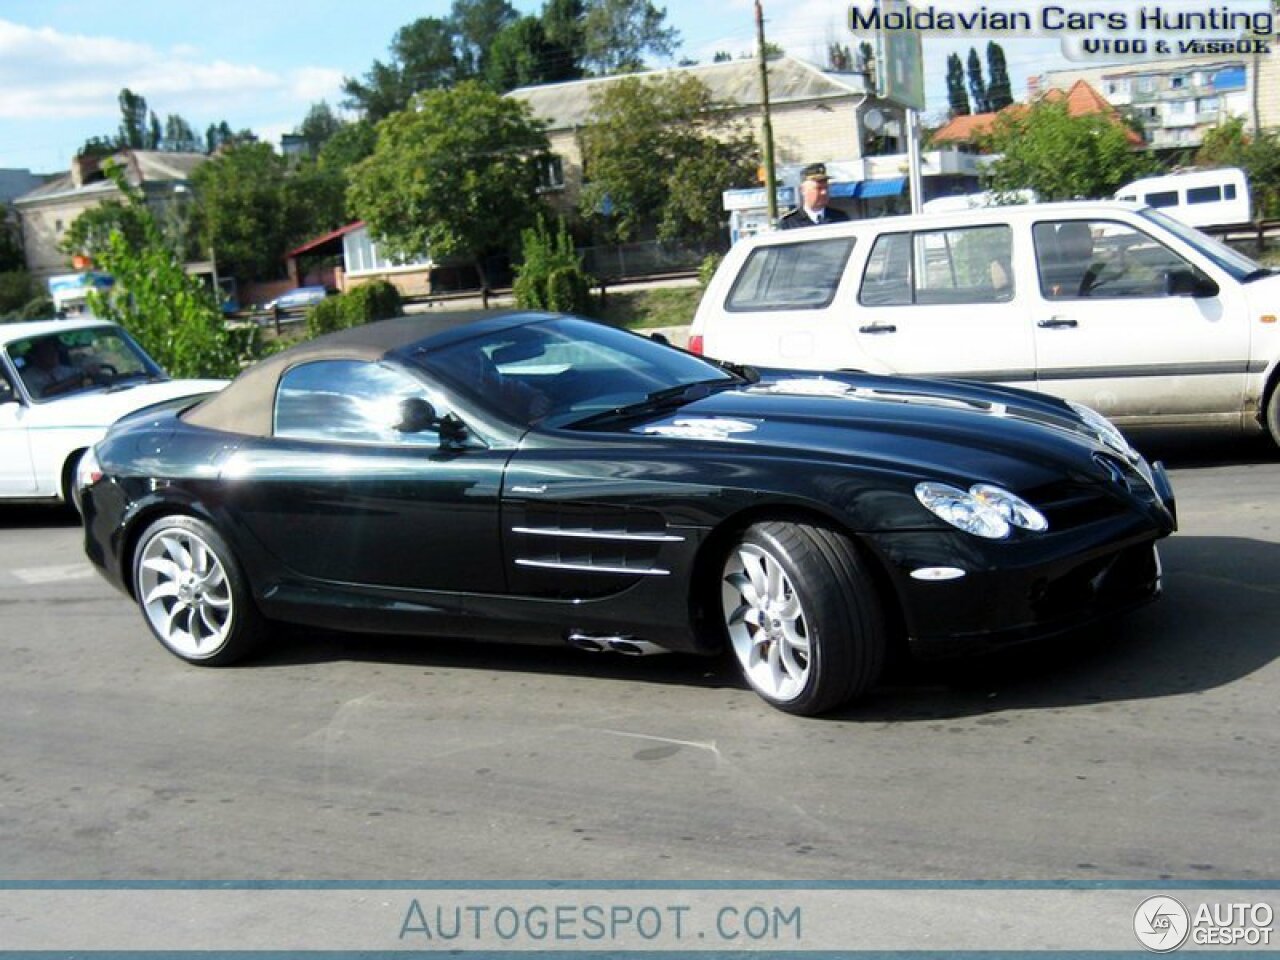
(1110, 304)
(62, 383)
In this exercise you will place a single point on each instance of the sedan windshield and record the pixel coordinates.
(72, 361)
(565, 370)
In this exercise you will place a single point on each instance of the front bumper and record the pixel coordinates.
(969, 595)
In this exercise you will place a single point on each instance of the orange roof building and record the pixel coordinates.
(1082, 100)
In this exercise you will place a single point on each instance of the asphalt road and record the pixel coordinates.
(1142, 750)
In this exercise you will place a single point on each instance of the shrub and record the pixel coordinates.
(551, 276)
(707, 268)
(377, 300)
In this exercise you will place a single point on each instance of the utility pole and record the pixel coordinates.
(770, 180)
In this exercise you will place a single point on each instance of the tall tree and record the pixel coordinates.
(660, 156)
(476, 24)
(977, 88)
(154, 133)
(519, 56)
(133, 120)
(999, 91)
(562, 24)
(457, 176)
(178, 135)
(618, 34)
(1228, 145)
(319, 126)
(1059, 156)
(423, 57)
(957, 99)
(242, 215)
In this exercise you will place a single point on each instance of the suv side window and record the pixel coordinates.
(791, 276)
(964, 265)
(1102, 259)
(347, 401)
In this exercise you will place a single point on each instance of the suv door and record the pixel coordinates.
(945, 302)
(1129, 326)
(17, 476)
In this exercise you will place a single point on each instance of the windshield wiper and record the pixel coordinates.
(664, 399)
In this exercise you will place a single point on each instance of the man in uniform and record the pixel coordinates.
(814, 193)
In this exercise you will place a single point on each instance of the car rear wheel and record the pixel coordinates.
(803, 618)
(192, 593)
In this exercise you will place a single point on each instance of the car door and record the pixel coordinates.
(1128, 325)
(340, 494)
(17, 475)
(945, 302)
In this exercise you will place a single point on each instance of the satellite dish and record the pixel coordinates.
(873, 119)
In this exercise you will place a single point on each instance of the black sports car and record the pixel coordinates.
(546, 479)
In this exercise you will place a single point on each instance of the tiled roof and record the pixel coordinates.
(1082, 100)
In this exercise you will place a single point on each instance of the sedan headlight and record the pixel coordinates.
(1105, 429)
(983, 510)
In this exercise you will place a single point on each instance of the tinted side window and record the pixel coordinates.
(347, 401)
(1229, 191)
(966, 265)
(1165, 198)
(1204, 195)
(791, 276)
(1101, 259)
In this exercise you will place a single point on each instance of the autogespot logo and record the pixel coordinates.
(1161, 924)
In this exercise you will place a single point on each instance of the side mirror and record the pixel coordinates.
(6, 392)
(1189, 283)
(660, 338)
(416, 415)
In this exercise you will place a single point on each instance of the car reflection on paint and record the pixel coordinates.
(546, 479)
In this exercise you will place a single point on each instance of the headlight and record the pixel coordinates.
(1105, 429)
(983, 510)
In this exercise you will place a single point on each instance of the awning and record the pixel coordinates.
(311, 245)
(843, 188)
(881, 188)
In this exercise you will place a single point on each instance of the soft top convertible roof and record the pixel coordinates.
(245, 406)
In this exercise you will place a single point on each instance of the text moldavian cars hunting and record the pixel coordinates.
(535, 478)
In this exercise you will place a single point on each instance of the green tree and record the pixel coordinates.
(133, 120)
(660, 154)
(319, 126)
(351, 144)
(476, 24)
(173, 315)
(957, 98)
(977, 87)
(178, 135)
(11, 255)
(618, 33)
(423, 57)
(457, 175)
(242, 213)
(1059, 156)
(999, 91)
(90, 232)
(562, 25)
(520, 56)
(1228, 145)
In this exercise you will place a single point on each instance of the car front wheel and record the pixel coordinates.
(802, 616)
(192, 593)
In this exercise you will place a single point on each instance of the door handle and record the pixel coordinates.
(1057, 323)
(878, 328)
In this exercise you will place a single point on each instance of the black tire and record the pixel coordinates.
(192, 593)
(70, 493)
(818, 637)
(1273, 413)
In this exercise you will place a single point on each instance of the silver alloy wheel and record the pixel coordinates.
(766, 623)
(184, 592)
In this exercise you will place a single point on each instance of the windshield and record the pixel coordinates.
(67, 362)
(1232, 261)
(564, 370)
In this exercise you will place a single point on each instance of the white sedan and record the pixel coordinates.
(62, 383)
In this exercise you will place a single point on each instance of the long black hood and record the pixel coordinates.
(948, 429)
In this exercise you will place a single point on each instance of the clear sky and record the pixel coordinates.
(262, 64)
